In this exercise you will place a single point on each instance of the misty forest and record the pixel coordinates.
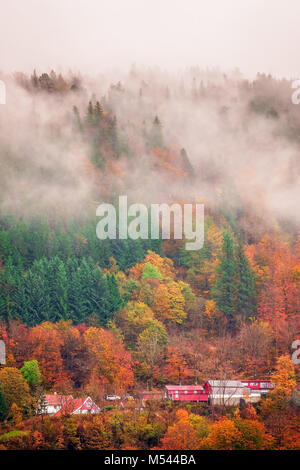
(124, 318)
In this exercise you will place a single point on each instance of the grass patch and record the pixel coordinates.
(15, 433)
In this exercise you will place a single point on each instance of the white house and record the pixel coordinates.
(76, 406)
(56, 404)
(52, 403)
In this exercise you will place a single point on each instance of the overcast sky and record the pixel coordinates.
(92, 35)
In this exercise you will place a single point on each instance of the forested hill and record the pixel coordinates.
(233, 146)
(91, 317)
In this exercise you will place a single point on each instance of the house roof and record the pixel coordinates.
(72, 405)
(229, 388)
(76, 404)
(226, 383)
(185, 387)
(55, 399)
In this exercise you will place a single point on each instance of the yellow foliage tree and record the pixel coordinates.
(15, 389)
(284, 382)
(16, 414)
(169, 302)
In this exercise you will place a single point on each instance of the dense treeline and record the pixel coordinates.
(49, 82)
(52, 273)
(25, 241)
(52, 290)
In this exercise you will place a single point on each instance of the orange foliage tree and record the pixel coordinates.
(237, 434)
(46, 342)
(109, 359)
(182, 435)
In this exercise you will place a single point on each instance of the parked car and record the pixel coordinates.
(112, 397)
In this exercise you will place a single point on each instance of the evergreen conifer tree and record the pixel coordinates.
(225, 289)
(3, 406)
(246, 290)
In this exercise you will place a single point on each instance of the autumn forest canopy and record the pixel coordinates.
(91, 317)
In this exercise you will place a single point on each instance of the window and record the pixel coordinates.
(253, 384)
(195, 391)
(266, 385)
(185, 392)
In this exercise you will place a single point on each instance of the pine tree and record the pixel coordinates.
(105, 253)
(34, 79)
(58, 283)
(78, 122)
(120, 252)
(6, 248)
(8, 280)
(101, 299)
(138, 250)
(3, 406)
(156, 136)
(114, 297)
(33, 296)
(90, 114)
(81, 292)
(246, 291)
(153, 245)
(73, 287)
(113, 136)
(98, 112)
(187, 164)
(225, 289)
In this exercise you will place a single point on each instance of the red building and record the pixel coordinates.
(262, 386)
(152, 395)
(186, 393)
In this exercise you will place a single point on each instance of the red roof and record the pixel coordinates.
(55, 399)
(184, 387)
(76, 404)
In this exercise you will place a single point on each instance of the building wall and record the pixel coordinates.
(226, 400)
(181, 396)
(50, 409)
